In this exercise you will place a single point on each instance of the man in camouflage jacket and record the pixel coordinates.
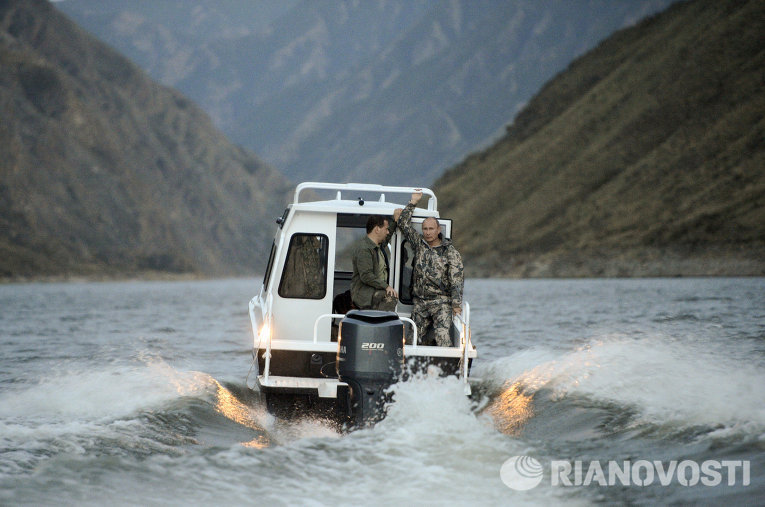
(438, 276)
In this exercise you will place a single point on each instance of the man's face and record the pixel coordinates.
(381, 232)
(430, 230)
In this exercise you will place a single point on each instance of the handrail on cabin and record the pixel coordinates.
(342, 315)
(365, 187)
(465, 343)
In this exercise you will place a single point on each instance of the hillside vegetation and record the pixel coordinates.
(103, 172)
(645, 157)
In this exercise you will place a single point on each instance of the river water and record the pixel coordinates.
(135, 393)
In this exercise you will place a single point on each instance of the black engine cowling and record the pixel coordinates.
(370, 357)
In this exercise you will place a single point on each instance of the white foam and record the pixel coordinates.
(431, 442)
(285, 432)
(667, 380)
(88, 393)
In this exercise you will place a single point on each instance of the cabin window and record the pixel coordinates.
(346, 237)
(305, 269)
(406, 273)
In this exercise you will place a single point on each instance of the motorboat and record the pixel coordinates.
(311, 348)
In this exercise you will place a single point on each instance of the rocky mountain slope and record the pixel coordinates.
(103, 172)
(339, 90)
(644, 157)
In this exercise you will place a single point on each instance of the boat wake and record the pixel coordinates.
(160, 424)
(138, 409)
(624, 386)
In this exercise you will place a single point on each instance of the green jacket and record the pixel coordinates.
(365, 281)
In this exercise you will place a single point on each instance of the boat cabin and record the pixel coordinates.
(306, 286)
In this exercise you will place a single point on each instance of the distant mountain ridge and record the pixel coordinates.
(392, 90)
(103, 172)
(644, 157)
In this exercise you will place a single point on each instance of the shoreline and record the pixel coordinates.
(131, 277)
(643, 263)
(53, 279)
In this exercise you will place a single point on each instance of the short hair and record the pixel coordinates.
(375, 221)
(438, 224)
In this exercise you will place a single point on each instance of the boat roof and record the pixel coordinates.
(359, 198)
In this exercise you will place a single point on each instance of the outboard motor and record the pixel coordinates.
(370, 356)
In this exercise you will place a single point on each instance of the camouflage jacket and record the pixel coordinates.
(438, 271)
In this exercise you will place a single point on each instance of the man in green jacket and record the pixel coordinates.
(369, 283)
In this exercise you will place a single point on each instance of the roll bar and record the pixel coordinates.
(364, 187)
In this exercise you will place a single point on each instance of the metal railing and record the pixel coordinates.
(342, 315)
(323, 316)
(364, 187)
(264, 330)
(259, 329)
(465, 343)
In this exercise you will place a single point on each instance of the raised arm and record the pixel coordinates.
(405, 219)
